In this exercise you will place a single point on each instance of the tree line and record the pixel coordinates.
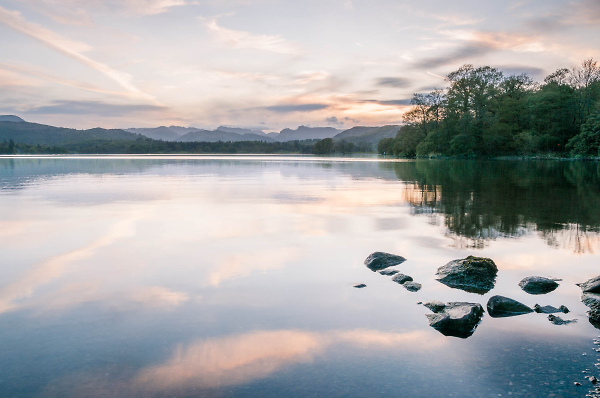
(484, 112)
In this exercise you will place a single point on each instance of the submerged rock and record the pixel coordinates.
(538, 284)
(379, 260)
(471, 274)
(548, 309)
(401, 278)
(388, 272)
(435, 306)
(412, 286)
(501, 307)
(591, 285)
(457, 319)
(559, 321)
(360, 285)
(592, 301)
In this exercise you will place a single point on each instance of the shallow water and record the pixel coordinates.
(232, 276)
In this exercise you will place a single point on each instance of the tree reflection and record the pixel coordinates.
(483, 200)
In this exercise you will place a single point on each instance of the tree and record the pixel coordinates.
(588, 142)
(324, 147)
(385, 146)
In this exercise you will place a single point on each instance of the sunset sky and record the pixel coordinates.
(268, 64)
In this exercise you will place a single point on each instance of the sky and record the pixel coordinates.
(267, 64)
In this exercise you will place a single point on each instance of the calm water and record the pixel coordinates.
(232, 276)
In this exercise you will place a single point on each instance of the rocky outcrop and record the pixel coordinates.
(548, 309)
(435, 306)
(471, 274)
(538, 284)
(591, 285)
(401, 278)
(457, 319)
(502, 307)
(388, 272)
(379, 260)
(592, 301)
(412, 286)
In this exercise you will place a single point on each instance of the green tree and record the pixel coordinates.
(324, 147)
(588, 142)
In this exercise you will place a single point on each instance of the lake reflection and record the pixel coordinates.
(232, 276)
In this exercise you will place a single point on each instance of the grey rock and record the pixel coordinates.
(388, 272)
(360, 285)
(592, 301)
(435, 306)
(401, 278)
(538, 284)
(591, 285)
(412, 286)
(548, 309)
(379, 260)
(457, 319)
(502, 307)
(471, 274)
(559, 321)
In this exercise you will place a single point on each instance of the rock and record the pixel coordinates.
(401, 278)
(457, 319)
(591, 285)
(592, 379)
(548, 309)
(538, 284)
(435, 306)
(559, 321)
(412, 286)
(592, 301)
(577, 384)
(360, 285)
(388, 272)
(471, 274)
(501, 307)
(378, 261)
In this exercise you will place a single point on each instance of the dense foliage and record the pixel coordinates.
(11, 148)
(483, 112)
(148, 145)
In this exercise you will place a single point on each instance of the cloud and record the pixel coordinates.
(396, 82)
(69, 48)
(246, 40)
(334, 120)
(391, 102)
(531, 71)
(297, 108)
(92, 108)
(478, 43)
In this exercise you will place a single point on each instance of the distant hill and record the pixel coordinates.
(157, 133)
(369, 135)
(240, 130)
(10, 118)
(183, 130)
(307, 133)
(34, 134)
(218, 135)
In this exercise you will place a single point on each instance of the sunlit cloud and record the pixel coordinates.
(69, 48)
(245, 40)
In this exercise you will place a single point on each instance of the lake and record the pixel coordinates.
(232, 276)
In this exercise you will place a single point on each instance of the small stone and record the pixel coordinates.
(379, 260)
(538, 284)
(559, 321)
(360, 285)
(388, 272)
(471, 274)
(457, 319)
(412, 286)
(564, 309)
(501, 307)
(401, 278)
(577, 384)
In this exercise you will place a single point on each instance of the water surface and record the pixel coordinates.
(232, 276)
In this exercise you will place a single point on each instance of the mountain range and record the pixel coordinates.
(13, 127)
